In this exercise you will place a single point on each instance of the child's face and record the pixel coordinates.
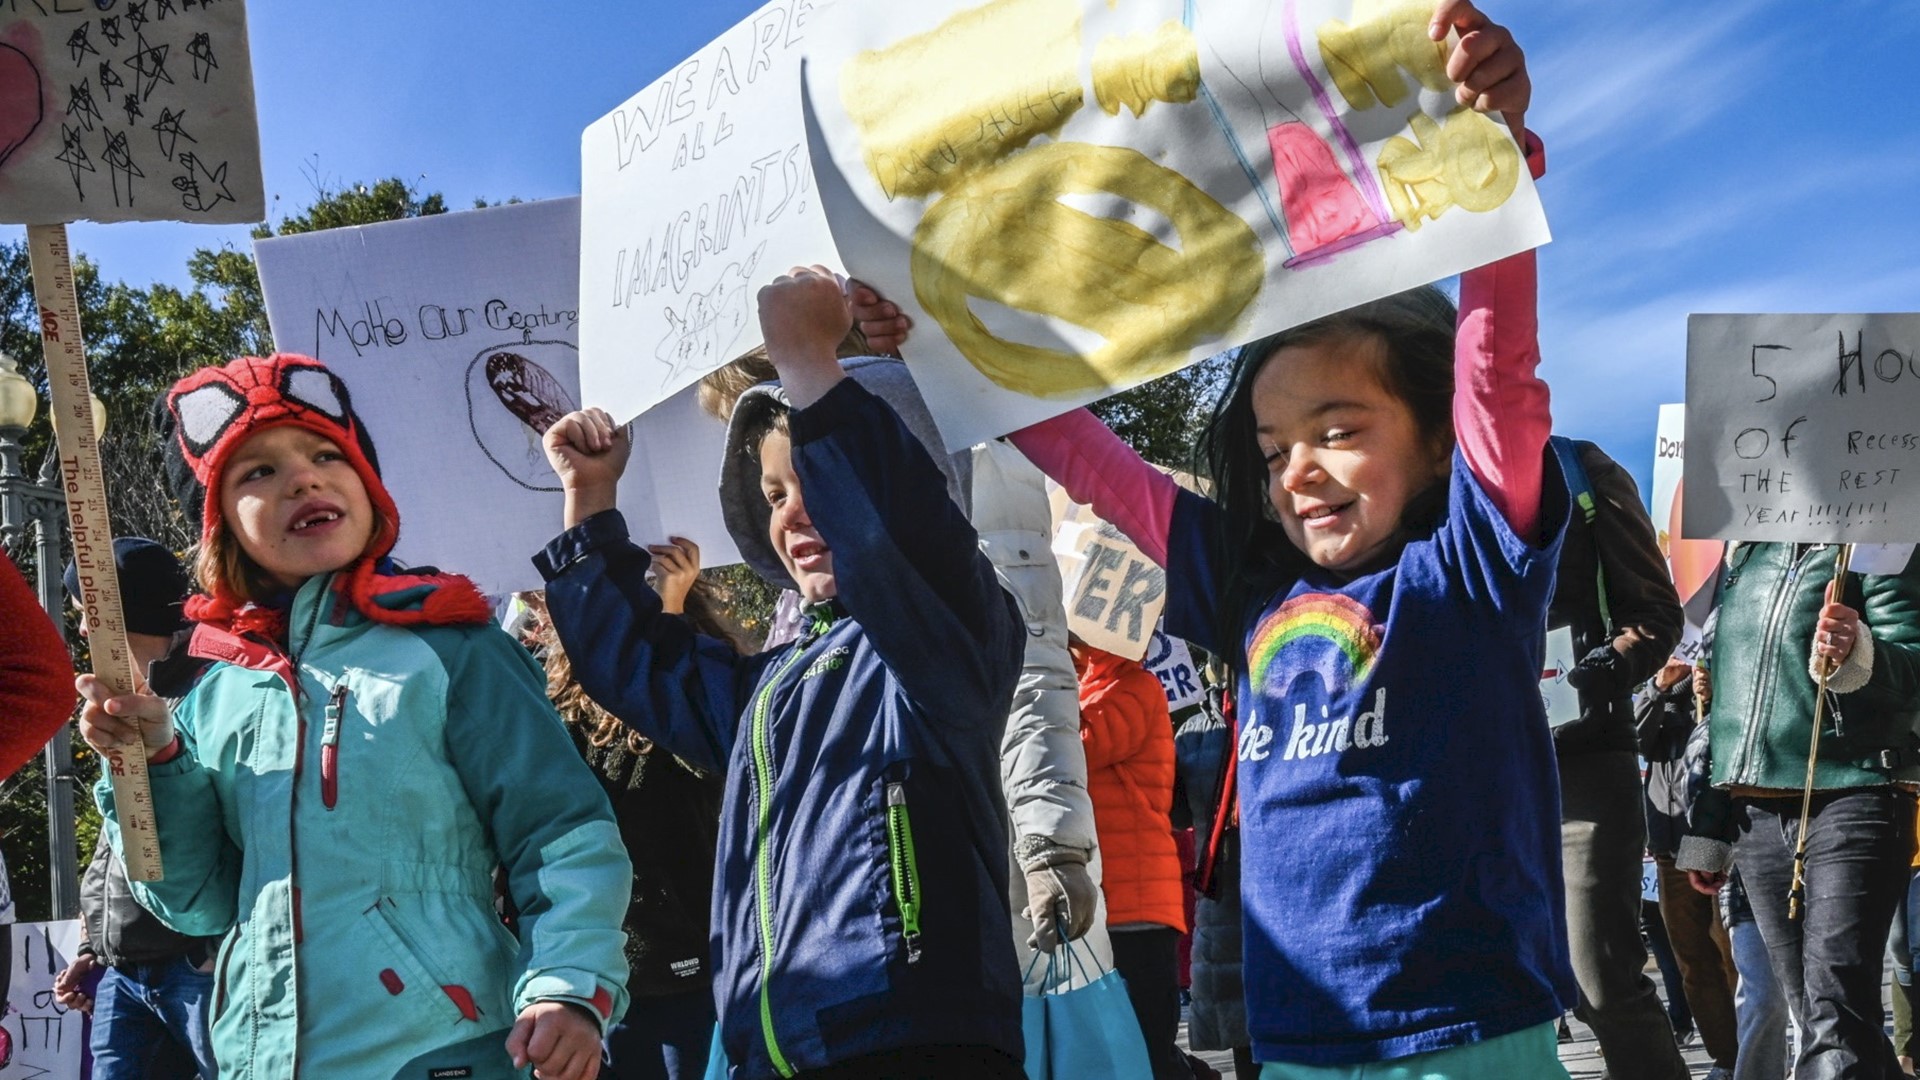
(802, 551)
(295, 504)
(1344, 455)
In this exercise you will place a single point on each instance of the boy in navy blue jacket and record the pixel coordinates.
(861, 923)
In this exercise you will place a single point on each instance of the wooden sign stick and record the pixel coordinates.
(1797, 892)
(84, 483)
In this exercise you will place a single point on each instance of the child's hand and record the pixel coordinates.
(558, 1039)
(109, 722)
(804, 316)
(588, 452)
(1490, 70)
(879, 320)
(676, 565)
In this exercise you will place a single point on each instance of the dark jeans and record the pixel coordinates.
(150, 1022)
(662, 1038)
(1654, 929)
(1828, 962)
(1603, 833)
(1705, 956)
(1148, 960)
(924, 1063)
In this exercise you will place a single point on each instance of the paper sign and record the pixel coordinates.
(1172, 663)
(457, 336)
(1881, 558)
(49, 1041)
(1072, 197)
(1562, 700)
(1114, 593)
(134, 111)
(694, 193)
(1803, 428)
(1693, 563)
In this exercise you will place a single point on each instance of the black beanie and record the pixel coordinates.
(153, 586)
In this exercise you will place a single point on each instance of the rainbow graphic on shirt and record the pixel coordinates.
(1327, 633)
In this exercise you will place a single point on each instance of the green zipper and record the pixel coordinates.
(763, 886)
(906, 869)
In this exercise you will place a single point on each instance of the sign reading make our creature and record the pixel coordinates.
(457, 336)
(127, 110)
(695, 192)
(1073, 197)
(1803, 428)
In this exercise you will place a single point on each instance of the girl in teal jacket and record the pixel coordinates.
(335, 792)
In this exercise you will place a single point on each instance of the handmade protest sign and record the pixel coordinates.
(49, 1040)
(1172, 663)
(457, 335)
(1693, 563)
(1072, 197)
(1114, 592)
(139, 110)
(1803, 428)
(694, 193)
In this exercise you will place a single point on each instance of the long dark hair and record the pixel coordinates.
(1411, 336)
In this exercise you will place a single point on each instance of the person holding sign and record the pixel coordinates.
(1377, 564)
(861, 918)
(1782, 623)
(336, 791)
(1615, 601)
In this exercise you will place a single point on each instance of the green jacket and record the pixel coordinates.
(344, 839)
(1763, 692)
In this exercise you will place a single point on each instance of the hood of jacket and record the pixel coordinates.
(745, 509)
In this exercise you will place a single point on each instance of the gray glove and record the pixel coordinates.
(1060, 891)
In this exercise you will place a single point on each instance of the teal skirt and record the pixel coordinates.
(1533, 1054)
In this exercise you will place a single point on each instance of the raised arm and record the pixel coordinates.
(1085, 457)
(1501, 413)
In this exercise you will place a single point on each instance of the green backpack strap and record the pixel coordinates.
(1581, 490)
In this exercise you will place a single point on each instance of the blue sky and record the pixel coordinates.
(1704, 156)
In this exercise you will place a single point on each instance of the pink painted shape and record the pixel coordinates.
(1320, 203)
(22, 102)
(1368, 185)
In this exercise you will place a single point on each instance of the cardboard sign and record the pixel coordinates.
(1803, 428)
(1073, 197)
(1172, 663)
(49, 1042)
(457, 336)
(139, 110)
(1693, 563)
(695, 192)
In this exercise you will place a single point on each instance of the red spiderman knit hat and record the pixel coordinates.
(206, 415)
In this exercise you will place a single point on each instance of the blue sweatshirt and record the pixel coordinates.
(1405, 904)
(860, 901)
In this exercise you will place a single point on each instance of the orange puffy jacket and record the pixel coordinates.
(1129, 743)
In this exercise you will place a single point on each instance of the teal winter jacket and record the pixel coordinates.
(338, 813)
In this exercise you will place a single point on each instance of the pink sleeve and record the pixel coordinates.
(1500, 407)
(1098, 470)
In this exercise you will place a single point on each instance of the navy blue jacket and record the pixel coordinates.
(860, 902)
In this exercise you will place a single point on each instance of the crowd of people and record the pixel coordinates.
(616, 837)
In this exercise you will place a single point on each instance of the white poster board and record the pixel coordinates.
(1693, 563)
(1072, 197)
(127, 110)
(694, 193)
(457, 335)
(1172, 663)
(49, 1042)
(1559, 696)
(1803, 428)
